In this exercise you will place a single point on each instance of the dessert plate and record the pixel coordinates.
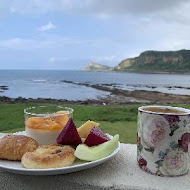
(78, 165)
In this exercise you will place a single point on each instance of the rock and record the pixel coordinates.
(97, 67)
(3, 87)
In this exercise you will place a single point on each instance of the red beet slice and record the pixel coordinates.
(96, 137)
(69, 135)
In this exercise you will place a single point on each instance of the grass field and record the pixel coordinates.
(113, 119)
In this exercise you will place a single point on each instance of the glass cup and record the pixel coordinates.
(44, 123)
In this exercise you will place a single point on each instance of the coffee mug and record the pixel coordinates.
(163, 140)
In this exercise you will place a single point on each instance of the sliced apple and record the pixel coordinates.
(85, 129)
(83, 152)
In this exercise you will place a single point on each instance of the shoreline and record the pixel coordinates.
(107, 71)
(119, 96)
(9, 100)
(142, 72)
(116, 97)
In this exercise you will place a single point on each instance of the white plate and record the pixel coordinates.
(16, 166)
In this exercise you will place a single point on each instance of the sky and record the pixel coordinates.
(68, 34)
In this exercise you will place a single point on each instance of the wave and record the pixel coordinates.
(39, 80)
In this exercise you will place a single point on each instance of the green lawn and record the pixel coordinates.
(113, 119)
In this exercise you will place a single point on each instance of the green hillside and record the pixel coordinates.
(157, 61)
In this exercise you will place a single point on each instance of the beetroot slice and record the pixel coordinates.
(96, 137)
(69, 135)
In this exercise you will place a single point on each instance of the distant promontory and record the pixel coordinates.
(97, 67)
(155, 62)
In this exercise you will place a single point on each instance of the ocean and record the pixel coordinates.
(49, 83)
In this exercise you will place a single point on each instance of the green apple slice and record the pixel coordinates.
(86, 153)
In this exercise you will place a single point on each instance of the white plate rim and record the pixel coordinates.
(62, 170)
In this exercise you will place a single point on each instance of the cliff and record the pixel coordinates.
(157, 61)
(97, 67)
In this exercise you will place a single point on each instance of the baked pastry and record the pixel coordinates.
(13, 147)
(49, 156)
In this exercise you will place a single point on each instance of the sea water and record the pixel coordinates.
(48, 83)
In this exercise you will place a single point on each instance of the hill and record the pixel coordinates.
(157, 61)
(97, 67)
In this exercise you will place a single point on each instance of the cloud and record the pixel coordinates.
(57, 50)
(105, 7)
(34, 6)
(18, 43)
(125, 28)
(46, 27)
(90, 7)
(25, 44)
(121, 7)
(166, 10)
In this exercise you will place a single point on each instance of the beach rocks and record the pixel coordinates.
(3, 87)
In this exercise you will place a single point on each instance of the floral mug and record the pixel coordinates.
(163, 140)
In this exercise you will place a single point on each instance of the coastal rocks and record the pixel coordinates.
(121, 100)
(67, 81)
(5, 99)
(178, 87)
(3, 88)
(117, 96)
(121, 96)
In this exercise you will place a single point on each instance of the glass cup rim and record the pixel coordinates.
(65, 108)
(187, 111)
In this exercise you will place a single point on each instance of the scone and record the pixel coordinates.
(49, 156)
(13, 147)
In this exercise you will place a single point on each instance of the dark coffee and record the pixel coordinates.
(164, 110)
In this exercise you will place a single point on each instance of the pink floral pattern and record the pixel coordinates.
(184, 141)
(158, 134)
(175, 162)
(156, 131)
(142, 162)
(163, 142)
(172, 119)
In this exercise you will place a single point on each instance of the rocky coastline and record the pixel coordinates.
(116, 97)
